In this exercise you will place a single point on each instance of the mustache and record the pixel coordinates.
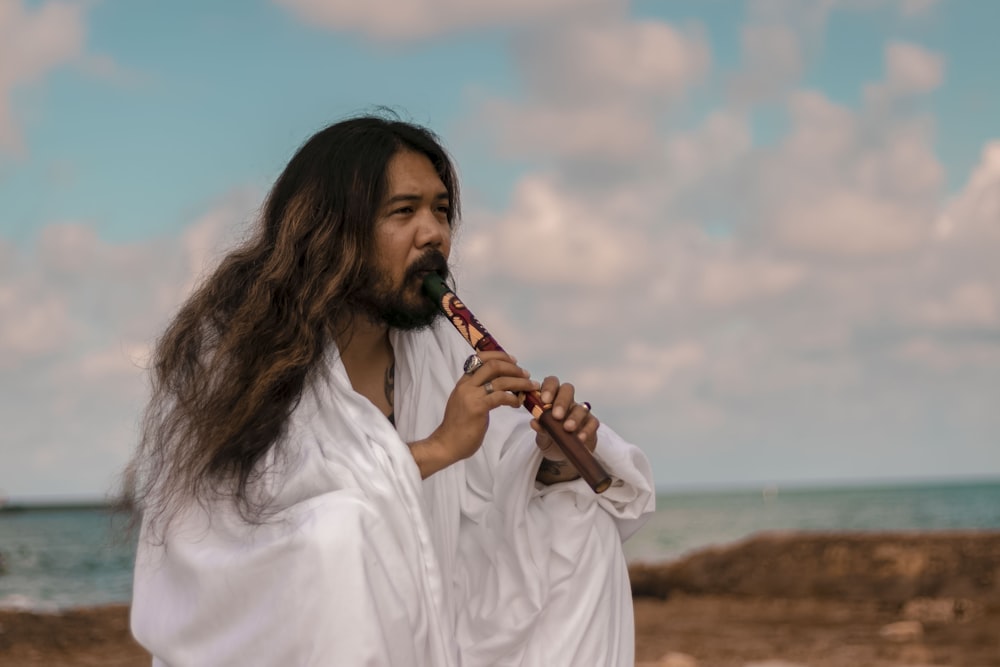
(430, 261)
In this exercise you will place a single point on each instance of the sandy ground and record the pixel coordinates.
(773, 601)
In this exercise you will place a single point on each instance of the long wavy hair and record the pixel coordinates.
(232, 365)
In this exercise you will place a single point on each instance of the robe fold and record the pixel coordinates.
(360, 562)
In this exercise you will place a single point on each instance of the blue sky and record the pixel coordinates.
(769, 226)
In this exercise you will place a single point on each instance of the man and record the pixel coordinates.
(326, 476)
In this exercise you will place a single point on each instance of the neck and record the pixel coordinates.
(363, 342)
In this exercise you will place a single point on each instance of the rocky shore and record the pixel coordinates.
(774, 600)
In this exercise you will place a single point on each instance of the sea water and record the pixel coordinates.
(53, 559)
(685, 522)
(65, 558)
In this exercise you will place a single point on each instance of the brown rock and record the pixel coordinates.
(902, 631)
(890, 567)
(674, 659)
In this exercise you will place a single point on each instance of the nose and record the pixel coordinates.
(431, 231)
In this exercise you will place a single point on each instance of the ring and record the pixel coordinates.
(488, 386)
(472, 364)
(586, 404)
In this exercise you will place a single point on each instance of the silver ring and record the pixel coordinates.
(472, 364)
(488, 386)
(586, 404)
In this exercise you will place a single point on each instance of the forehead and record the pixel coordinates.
(412, 173)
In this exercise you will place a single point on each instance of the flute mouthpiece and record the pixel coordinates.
(435, 287)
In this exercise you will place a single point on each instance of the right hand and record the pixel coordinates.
(467, 413)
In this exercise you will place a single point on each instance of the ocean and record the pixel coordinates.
(53, 559)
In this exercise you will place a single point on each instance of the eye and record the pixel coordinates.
(403, 210)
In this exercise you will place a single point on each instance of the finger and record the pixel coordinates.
(563, 401)
(511, 384)
(578, 414)
(516, 386)
(588, 432)
(550, 386)
(495, 368)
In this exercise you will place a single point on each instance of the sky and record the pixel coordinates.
(761, 237)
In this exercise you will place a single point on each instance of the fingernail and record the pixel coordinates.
(546, 397)
(536, 386)
(581, 436)
(569, 424)
(558, 412)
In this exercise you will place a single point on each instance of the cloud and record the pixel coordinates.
(912, 69)
(581, 61)
(32, 44)
(782, 37)
(80, 315)
(725, 294)
(547, 239)
(422, 19)
(974, 214)
(595, 90)
(604, 131)
(847, 223)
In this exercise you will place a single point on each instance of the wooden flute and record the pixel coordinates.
(481, 340)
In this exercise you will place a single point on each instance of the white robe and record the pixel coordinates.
(362, 563)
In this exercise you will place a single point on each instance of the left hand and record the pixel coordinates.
(574, 417)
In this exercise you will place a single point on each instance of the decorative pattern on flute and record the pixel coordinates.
(481, 340)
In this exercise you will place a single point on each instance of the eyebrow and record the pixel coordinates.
(395, 199)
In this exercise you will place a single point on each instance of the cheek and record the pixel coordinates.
(446, 244)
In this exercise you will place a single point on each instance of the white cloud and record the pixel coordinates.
(971, 304)
(591, 61)
(421, 19)
(80, 315)
(910, 70)
(948, 358)
(773, 59)
(34, 325)
(729, 280)
(595, 90)
(604, 131)
(849, 183)
(782, 37)
(642, 370)
(549, 239)
(847, 223)
(32, 44)
(800, 270)
(916, 8)
(974, 214)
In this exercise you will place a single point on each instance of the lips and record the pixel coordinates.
(432, 261)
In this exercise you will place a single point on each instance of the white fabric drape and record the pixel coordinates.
(362, 563)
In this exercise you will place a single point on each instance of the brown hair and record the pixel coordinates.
(231, 366)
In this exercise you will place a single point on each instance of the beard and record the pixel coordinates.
(394, 305)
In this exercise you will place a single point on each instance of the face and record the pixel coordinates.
(412, 238)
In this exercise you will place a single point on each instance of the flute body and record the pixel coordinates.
(481, 340)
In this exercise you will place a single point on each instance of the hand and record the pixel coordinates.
(466, 415)
(575, 418)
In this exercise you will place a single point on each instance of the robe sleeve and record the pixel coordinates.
(324, 584)
(511, 459)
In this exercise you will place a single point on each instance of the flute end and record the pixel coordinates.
(602, 485)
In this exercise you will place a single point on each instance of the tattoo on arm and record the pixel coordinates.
(552, 467)
(550, 472)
